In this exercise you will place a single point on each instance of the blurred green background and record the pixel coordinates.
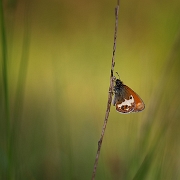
(54, 80)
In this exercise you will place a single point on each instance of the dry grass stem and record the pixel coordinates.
(109, 94)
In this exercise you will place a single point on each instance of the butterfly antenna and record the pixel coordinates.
(118, 75)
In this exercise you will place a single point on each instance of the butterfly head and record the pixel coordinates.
(118, 82)
(118, 86)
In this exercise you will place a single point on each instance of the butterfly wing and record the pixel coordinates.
(138, 102)
(128, 101)
(124, 101)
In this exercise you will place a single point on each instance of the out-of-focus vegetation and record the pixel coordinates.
(56, 57)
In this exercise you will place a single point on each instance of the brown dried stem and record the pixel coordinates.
(110, 93)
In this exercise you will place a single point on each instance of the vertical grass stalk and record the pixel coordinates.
(109, 95)
(19, 96)
(5, 83)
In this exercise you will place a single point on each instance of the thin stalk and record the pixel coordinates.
(19, 98)
(5, 82)
(109, 95)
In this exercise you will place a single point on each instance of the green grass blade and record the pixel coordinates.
(5, 85)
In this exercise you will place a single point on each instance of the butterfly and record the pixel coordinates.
(125, 99)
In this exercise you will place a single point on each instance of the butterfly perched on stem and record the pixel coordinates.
(125, 99)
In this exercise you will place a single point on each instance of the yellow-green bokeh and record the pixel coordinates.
(62, 105)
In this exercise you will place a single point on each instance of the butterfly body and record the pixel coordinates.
(125, 99)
